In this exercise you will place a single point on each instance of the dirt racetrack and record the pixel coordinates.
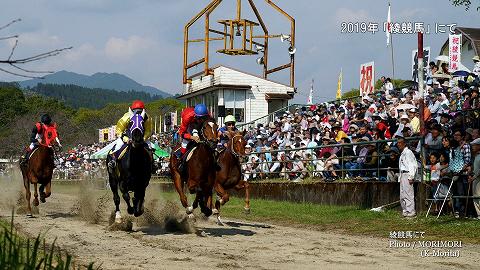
(239, 245)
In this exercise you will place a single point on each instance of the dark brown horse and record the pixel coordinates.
(230, 174)
(38, 170)
(200, 170)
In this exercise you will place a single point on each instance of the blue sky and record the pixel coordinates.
(143, 39)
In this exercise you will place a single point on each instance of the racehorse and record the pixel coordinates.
(230, 174)
(133, 170)
(200, 169)
(38, 170)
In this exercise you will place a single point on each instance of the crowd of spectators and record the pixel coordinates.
(314, 140)
(76, 163)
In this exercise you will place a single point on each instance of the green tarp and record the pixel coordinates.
(102, 153)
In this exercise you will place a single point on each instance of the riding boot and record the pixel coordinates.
(24, 157)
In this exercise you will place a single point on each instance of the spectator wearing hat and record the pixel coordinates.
(371, 160)
(476, 67)
(445, 120)
(404, 122)
(433, 140)
(389, 165)
(388, 87)
(474, 177)
(414, 121)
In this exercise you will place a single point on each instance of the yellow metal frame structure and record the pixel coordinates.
(228, 36)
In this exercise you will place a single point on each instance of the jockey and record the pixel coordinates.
(190, 115)
(222, 132)
(40, 133)
(121, 130)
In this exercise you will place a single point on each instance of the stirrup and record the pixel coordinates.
(112, 164)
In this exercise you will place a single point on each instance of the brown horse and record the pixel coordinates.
(201, 167)
(230, 174)
(38, 170)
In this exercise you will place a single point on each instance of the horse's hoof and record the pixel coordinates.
(246, 210)
(189, 210)
(118, 217)
(130, 210)
(220, 222)
(35, 202)
(29, 215)
(215, 212)
(42, 197)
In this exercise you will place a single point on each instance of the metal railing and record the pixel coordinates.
(341, 166)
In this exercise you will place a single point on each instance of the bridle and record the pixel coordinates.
(136, 123)
(210, 142)
(232, 143)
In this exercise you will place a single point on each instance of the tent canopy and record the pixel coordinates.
(102, 153)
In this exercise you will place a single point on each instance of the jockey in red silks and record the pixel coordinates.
(186, 132)
(45, 133)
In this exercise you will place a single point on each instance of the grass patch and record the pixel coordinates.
(350, 219)
(17, 252)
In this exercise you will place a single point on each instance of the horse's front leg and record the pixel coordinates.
(45, 194)
(116, 198)
(35, 195)
(126, 197)
(177, 181)
(246, 186)
(28, 194)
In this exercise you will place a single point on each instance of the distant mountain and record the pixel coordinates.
(93, 98)
(113, 81)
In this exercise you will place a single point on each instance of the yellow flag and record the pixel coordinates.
(339, 86)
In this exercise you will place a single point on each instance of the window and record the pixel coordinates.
(235, 103)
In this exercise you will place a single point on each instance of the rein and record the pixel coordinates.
(232, 142)
(202, 130)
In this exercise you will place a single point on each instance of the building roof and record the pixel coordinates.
(473, 34)
(213, 88)
(254, 75)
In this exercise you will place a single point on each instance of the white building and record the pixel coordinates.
(229, 91)
(470, 45)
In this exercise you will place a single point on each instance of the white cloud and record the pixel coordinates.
(80, 53)
(38, 40)
(349, 15)
(118, 49)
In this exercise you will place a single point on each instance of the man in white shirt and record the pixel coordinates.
(476, 63)
(408, 168)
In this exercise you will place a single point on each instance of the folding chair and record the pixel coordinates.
(447, 196)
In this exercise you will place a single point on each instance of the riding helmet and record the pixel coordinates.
(201, 110)
(46, 119)
(137, 104)
(230, 119)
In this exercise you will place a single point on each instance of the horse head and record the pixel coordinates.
(209, 132)
(137, 129)
(236, 143)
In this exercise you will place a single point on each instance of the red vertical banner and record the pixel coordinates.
(367, 78)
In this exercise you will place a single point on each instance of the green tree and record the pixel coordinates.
(465, 3)
(12, 103)
(351, 94)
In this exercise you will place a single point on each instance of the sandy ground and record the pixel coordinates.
(238, 245)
